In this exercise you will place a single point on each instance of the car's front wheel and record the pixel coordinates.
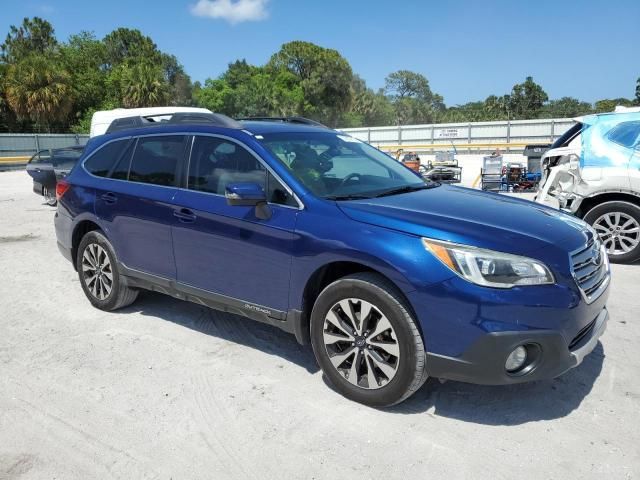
(618, 226)
(366, 341)
(103, 285)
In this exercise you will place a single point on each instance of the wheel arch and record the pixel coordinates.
(80, 230)
(329, 273)
(593, 201)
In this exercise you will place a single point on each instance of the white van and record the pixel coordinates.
(102, 119)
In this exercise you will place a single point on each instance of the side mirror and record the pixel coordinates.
(246, 194)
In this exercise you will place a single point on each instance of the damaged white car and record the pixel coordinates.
(593, 172)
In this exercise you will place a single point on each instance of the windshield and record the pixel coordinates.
(340, 167)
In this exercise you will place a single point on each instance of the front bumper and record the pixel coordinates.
(484, 361)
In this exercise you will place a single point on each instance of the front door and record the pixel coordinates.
(226, 249)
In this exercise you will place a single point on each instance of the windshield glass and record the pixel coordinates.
(336, 166)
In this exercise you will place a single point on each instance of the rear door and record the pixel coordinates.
(135, 203)
(226, 249)
(626, 136)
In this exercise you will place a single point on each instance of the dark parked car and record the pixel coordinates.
(390, 278)
(46, 167)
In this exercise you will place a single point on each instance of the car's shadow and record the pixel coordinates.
(232, 328)
(489, 405)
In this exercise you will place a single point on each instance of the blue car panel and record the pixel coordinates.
(228, 250)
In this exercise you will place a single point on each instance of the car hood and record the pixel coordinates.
(472, 217)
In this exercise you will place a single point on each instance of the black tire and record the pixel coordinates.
(627, 211)
(119, 295)
(411, 363)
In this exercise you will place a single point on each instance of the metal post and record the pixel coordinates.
(399, 134)
(508, 134)
(433, 133)
(37, 140)
(469, 137)
(369, 135)
(553, 130)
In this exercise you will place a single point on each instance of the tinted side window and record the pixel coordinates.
(157, 159)
(65, 159)
(121, 170)
(101, 161)
(216, 162)
(276, 193)
(625, 134)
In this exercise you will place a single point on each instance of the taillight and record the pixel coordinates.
(61, 188)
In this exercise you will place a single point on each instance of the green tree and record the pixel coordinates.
(180, 87)
(638, 91)
(324, 76)
(84, 57)
(566, 107)
(124, 45)
(143, 85)
(412, 98)
(609, 104)
(526, 100)
(39, 89)
(35, 36)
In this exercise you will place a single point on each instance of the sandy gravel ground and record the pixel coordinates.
(166, 389)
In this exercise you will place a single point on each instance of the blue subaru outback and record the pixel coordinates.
(390, 278)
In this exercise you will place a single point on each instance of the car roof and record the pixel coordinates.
(251, 127)
(261, 127)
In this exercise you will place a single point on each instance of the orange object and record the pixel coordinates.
(412, 164)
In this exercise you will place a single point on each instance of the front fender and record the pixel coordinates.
(398, 256)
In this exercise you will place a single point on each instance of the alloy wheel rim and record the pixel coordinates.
(361, 343)
(619, 232)
(96, 271)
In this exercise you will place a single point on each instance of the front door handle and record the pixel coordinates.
(185, 215)
(109, 198)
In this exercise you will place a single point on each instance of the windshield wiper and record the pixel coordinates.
(406, 189)
(347, 197)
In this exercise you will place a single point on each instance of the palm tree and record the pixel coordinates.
(143, 85)
(38, 89)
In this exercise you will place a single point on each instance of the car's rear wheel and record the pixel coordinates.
(103, 285)
(49, 196)
(618, 226)
(366, 341)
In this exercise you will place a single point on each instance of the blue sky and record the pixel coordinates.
(467, 49)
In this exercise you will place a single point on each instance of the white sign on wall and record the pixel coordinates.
(448, 133)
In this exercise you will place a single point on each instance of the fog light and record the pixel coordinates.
(516, 359)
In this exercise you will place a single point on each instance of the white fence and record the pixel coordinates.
(510, 136)
(21, 145)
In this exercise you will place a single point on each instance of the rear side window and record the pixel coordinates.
(157, 159)
(102, 160)
(625, 134)
(121, 170)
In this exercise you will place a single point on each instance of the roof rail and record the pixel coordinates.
(178, 118)
(299, 120)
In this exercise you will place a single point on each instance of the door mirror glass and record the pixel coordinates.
(244, 194)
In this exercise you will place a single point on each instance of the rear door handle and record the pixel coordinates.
(109, 198)
(185, 215)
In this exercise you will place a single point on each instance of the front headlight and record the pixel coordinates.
(489, 268)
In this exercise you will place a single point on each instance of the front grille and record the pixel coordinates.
(590, 269)
(581, 334)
